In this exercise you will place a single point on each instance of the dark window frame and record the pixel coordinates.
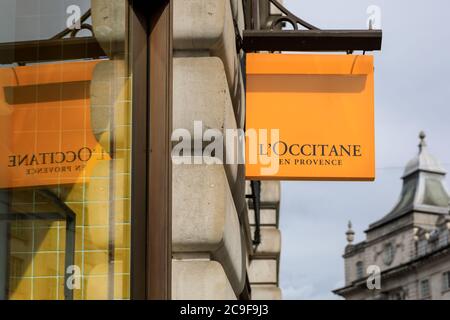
(151, 238)
(446, 281)
(425, 285)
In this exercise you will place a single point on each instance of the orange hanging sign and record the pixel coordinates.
(310, 117)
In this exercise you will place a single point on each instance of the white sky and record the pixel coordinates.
(412, 93)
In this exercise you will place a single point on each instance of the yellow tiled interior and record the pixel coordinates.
(101, 204)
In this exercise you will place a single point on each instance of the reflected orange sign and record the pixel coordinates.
(310, 117)
(45, 124)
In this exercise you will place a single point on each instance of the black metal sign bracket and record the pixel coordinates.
(264, 32)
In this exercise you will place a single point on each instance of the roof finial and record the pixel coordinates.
(350, 233)
(422, 143)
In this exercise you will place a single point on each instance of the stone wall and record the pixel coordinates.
(209, 240)
(265, 258)
(213, 255)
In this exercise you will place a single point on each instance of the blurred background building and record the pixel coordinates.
(410, 245)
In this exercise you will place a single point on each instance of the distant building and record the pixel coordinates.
(410, 245)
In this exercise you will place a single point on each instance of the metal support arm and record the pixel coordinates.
(264, 32)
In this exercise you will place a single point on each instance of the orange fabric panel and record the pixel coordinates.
(261, 63)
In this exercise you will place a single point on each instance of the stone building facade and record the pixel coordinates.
(212, 225)
(408, 248)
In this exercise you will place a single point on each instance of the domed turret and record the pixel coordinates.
(424, 161)
(423, 187)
